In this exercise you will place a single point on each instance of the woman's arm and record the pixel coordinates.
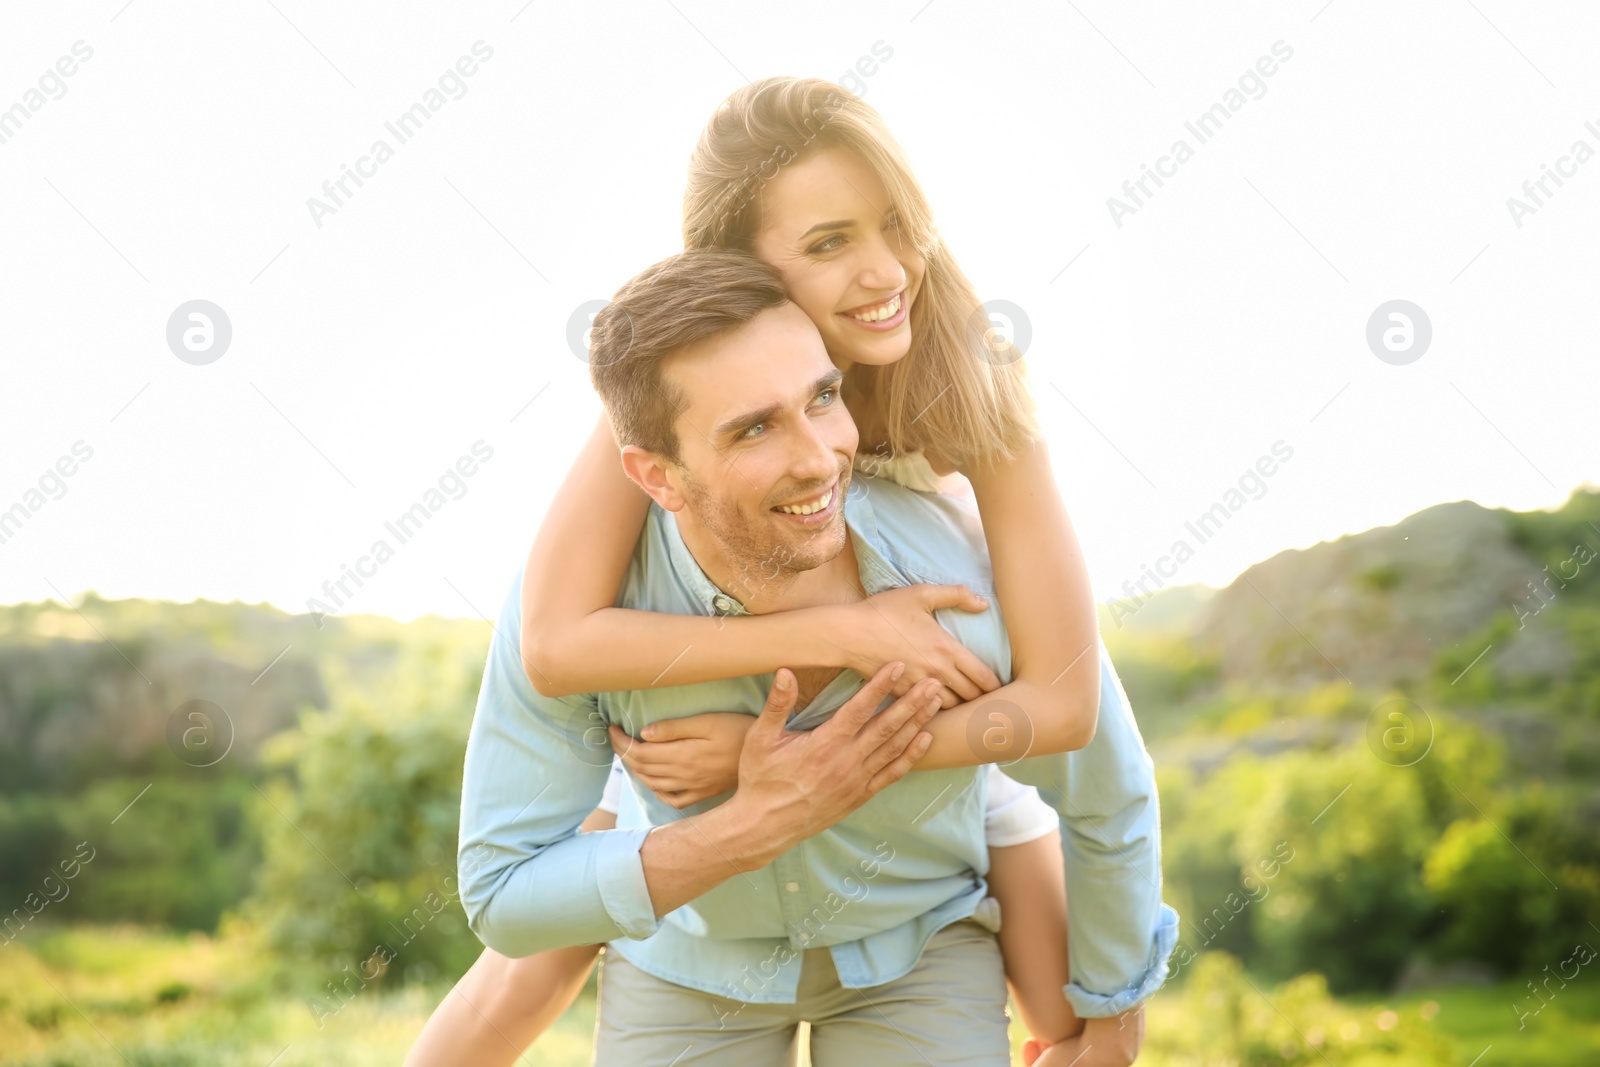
(1052, 702)
(571, 632)
(1042, 582)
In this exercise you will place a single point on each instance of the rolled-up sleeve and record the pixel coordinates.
(529, 880)
(1120, 933)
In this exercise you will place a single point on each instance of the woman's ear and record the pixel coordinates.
(653, 474)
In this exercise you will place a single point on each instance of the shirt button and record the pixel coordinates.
(722, 603)
(803, 938)
(793, 887)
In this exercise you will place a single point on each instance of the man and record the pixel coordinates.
(831, 886)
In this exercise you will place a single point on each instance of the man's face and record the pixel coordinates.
(765, 446)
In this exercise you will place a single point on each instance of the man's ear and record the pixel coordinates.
(652, 473)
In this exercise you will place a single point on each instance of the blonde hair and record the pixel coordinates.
(952, 393)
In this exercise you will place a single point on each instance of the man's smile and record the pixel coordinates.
(812, 510)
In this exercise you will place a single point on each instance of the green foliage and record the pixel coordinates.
(1381, 578)
(1516, 884)
(1552, 537)
(1351, 903)
(178, 856)
(1163, 670)
(180, 853)
(360, 833)
(1227, 1018)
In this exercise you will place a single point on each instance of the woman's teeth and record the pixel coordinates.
(886, 310)
(809, 509)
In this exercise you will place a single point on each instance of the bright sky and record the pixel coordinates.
(429, 312)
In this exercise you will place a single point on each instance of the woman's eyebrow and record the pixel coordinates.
(839, 224)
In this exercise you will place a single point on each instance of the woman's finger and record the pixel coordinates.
(935, 597)
(982, 675)
(683, 798)
(663, 783)
(674, 729)
(647, 756)
(962, 685)
(622, 743)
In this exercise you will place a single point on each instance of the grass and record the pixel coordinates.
(93, 996)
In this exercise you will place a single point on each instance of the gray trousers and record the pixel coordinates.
(949, 1010)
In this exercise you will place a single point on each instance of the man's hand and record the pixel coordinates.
(686, 760)
(796, 783)
(1111, 1042)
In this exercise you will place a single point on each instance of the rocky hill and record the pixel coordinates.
(1394, 605)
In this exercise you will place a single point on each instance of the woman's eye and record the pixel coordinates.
(828, 244)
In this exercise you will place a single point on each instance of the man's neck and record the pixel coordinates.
(753, 584)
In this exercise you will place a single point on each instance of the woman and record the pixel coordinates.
(808, 179)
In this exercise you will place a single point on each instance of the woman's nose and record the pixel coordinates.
(881, 268)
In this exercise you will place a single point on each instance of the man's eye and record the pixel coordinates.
(826, 396)
(754, 431)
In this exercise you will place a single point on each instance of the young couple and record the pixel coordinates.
(742, 728)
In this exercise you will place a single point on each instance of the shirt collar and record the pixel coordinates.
(877, 574)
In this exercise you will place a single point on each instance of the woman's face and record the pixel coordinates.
(827, 224)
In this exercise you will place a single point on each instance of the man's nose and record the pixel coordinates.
(814, 458)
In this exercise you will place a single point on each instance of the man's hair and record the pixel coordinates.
(684, 300)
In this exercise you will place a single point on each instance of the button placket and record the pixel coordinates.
(794, 903)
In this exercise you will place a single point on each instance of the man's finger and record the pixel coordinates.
(899, 741)
(901, 765)
(924, 696)
(849, 719)
(780, 702)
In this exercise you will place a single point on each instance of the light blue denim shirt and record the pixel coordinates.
(873, 888)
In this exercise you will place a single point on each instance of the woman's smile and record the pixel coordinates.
(881, 315)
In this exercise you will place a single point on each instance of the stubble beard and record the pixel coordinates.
(763, 562)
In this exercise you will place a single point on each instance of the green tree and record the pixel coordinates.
(1349, 901)
(360, 830)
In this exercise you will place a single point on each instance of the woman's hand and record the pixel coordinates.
(899, 625)
(684, 761)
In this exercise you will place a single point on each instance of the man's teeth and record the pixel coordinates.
(809, 509)
(881, 312)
